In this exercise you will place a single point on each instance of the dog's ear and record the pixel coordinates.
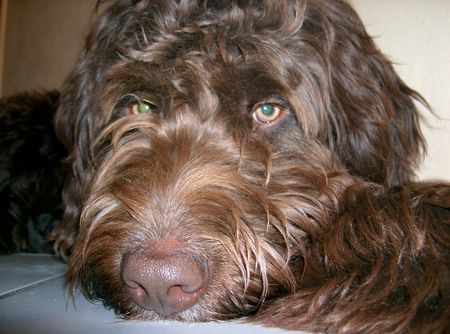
(375, 129)
(78, 119)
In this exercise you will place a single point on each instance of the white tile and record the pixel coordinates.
(42, 307)
(45, 309)
(21, 271)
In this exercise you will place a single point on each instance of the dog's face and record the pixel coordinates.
(215, 138)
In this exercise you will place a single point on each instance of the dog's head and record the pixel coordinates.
(216, 137)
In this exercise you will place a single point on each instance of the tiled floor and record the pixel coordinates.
(32, 300)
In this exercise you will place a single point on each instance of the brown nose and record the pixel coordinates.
(164, 283)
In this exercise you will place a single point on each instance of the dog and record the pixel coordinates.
(249, 159)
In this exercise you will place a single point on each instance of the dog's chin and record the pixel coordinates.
(196, 314)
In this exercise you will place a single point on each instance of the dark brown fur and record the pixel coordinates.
(31, 172)
(312, 222)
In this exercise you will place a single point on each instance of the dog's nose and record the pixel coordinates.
(164, 283)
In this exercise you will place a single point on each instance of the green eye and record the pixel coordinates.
(267, 113)
(143, 107)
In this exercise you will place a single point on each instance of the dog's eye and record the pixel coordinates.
(142, 107)
(267, 113)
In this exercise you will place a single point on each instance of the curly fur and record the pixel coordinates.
(311, 222)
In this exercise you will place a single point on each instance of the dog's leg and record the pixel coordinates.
(386, 266)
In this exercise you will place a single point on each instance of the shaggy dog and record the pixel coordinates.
(250, 158)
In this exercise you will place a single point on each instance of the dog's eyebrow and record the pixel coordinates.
(137, 97)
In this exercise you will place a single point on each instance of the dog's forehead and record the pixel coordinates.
(175, 31)
(230, 46)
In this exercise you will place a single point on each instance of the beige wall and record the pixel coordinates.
(415, 34)
(44, 38)
(3, 11)
(43, 41)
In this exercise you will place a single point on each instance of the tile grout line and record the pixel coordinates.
(29, 286)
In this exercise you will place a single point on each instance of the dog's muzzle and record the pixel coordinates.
(163, 281)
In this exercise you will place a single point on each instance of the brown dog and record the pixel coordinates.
(250, 158)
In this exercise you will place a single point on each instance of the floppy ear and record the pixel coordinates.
(374, 119)
(79, 119)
